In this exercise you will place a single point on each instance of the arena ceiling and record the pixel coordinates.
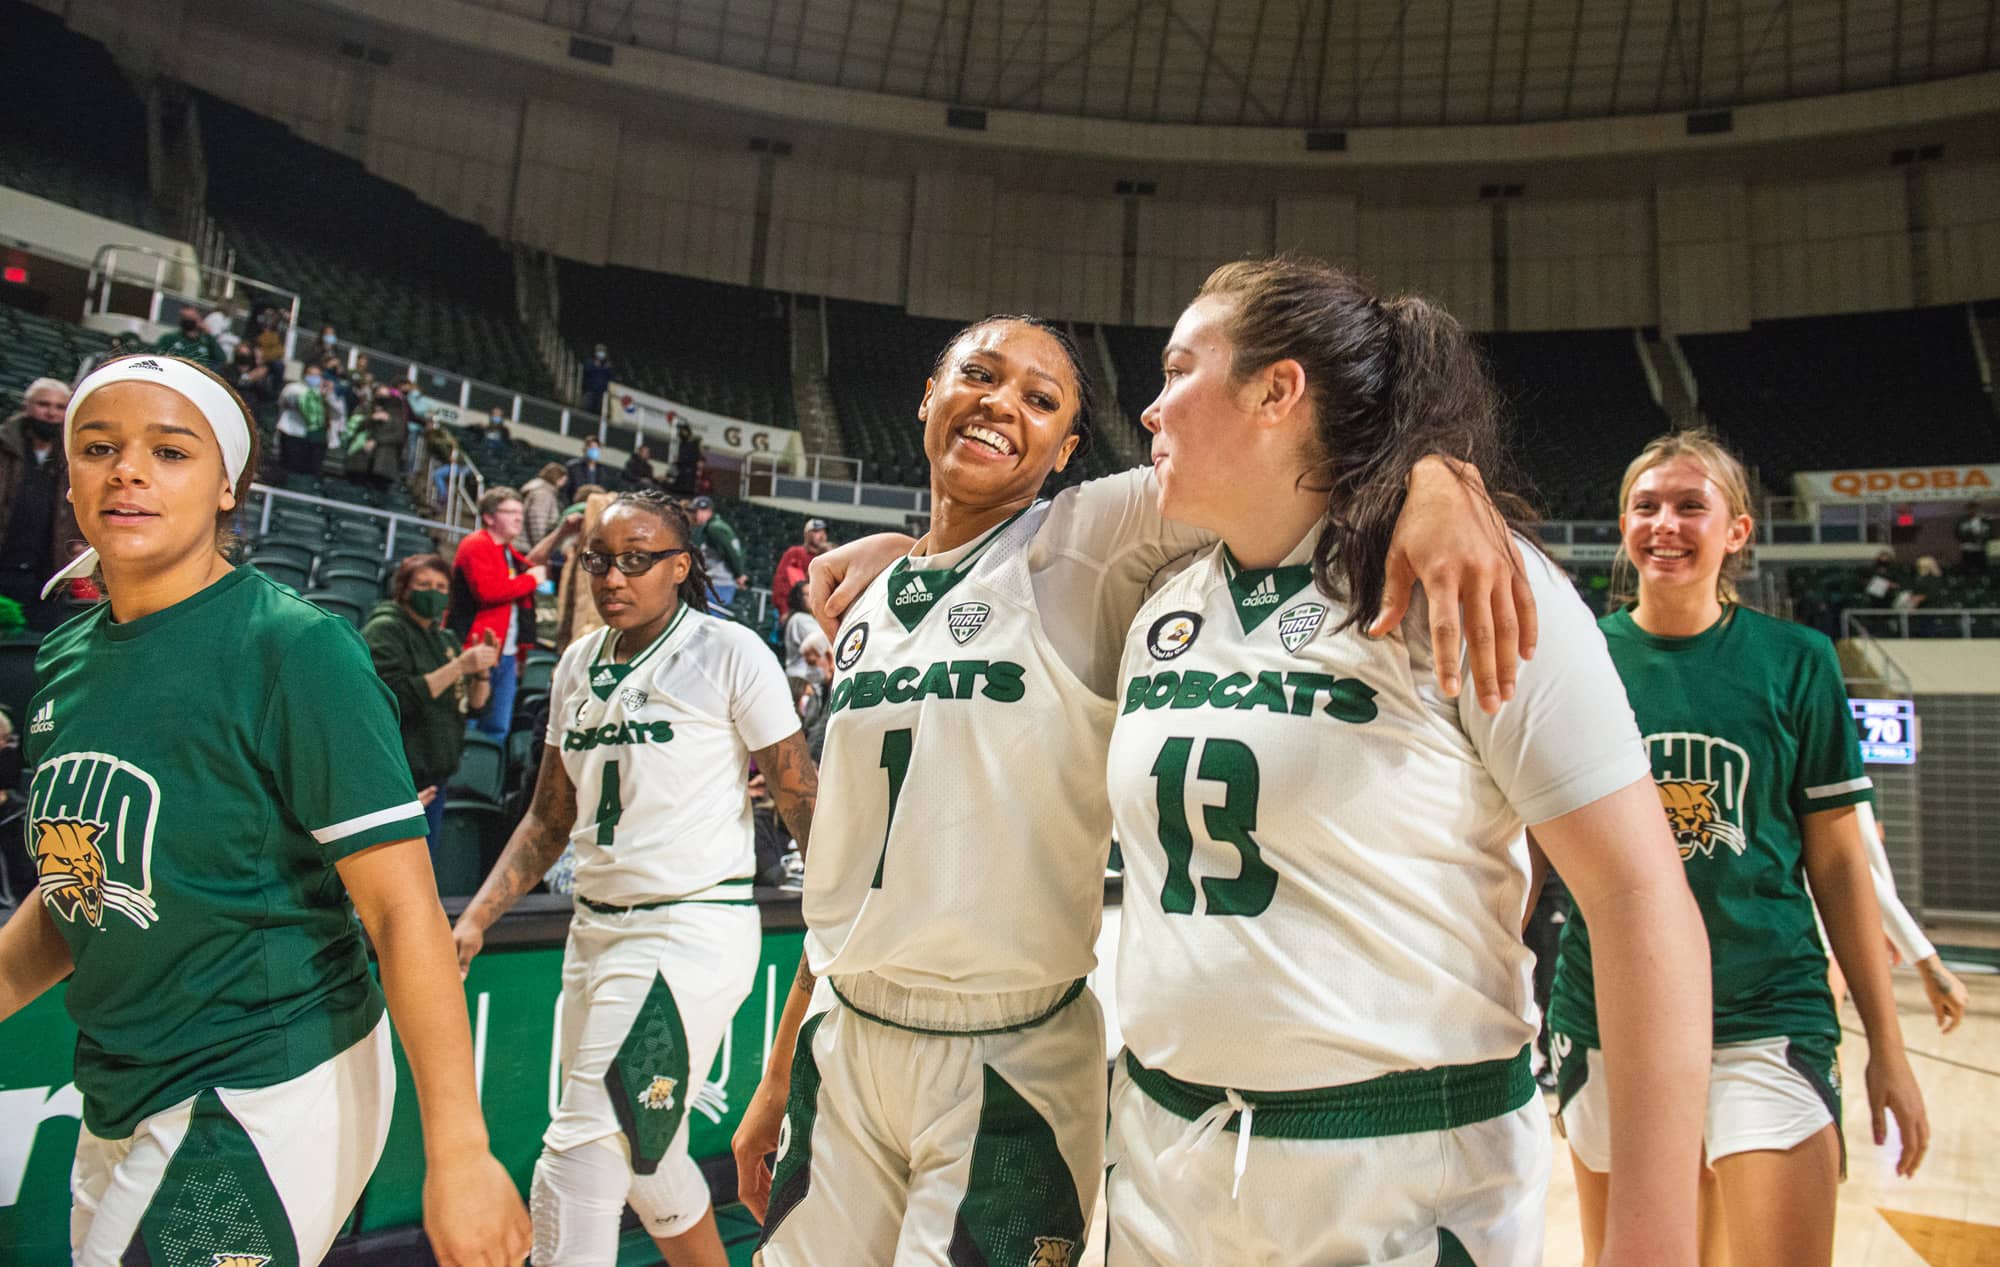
(1290, 63)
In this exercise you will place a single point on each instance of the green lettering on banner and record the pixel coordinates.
(520, 987)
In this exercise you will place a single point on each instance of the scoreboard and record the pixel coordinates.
(1888, 729)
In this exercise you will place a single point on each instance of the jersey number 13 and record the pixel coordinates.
(1234, 766)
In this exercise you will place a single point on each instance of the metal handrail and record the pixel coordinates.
(514, 402)
(1852, 620)
(105, 272)
(395, 517)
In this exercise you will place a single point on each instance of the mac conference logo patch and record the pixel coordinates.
(1172, 634)
(852, 644)
(967, 619)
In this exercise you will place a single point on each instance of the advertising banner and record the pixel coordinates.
(1900, 484)
(659, 418)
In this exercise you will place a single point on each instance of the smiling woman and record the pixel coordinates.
(219, 790)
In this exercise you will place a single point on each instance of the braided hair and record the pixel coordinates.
(694, 590)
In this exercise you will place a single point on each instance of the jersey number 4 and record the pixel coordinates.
(610, 807)
(1234, 766)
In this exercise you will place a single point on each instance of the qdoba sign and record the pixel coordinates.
(1900, 484)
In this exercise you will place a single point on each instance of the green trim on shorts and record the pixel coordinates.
(1401, 1103)
(216, 1204)
(649, 1079)
(791, 1174)
(1069, 996)
(605, 908)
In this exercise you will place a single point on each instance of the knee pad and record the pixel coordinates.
(576, 1201)
(672, 1199)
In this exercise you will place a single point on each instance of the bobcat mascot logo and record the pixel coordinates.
(1704, 785)
(1690, 806)
(1051, 1251)
(238, 1260)
(659, 1093)
(93, 816)
(72, 869)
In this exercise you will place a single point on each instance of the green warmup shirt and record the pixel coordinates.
(1748, 731)
(198, 772)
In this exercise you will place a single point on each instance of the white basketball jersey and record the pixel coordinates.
(962, 825)
(658, 749)
(1325, 863)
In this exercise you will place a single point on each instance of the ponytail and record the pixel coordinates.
(1391, 383)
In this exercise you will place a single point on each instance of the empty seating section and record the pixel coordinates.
(363, 253)
(34, 347)
(1820, 593)
(877, 360)
(1135, 355)
(1580, 410)
(725, 349)
(76, 133)
(1874, 389)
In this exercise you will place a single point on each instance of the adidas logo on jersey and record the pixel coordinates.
(915, 591)
(1265, 594)
(44, 720)
(604, 677)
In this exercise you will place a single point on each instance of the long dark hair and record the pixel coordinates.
(1081, 422)
(694, 590)
(1391, 382)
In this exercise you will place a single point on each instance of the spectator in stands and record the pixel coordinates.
(639, 467)
(799, 630)
(721, 552)
(327, 339)
(336, 374)
(1973, 533)
(687, 461)
(39, 525)
(587, 470)
(497, 435)
(382, 449)
(452, 468)
(270, 336)
(436, 684)
(792, 565)
(597, 375)
(493, 591)
(191, 343)
(413, 396)
(302, 424)
(1884, 578)
(541, 506)
(252, 380)
(334, 393)
(811, 693)
(361, 379)
(217, 323)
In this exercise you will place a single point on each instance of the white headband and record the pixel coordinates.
(217, 405)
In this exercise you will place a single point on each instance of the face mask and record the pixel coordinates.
(45, 430)
(313, 380)
(591, 453)
(429, 604)
(189, 327)
(327, 338)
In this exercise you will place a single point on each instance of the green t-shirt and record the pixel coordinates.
(1748, 731)
(198, 772)
(199, 347)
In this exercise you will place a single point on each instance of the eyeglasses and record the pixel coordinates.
(631, 563)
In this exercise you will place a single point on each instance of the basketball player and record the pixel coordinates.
(1942, 988)
(653, 723)
(947, 1097)
(219, 789)
(1754, 755)
(1326, 868)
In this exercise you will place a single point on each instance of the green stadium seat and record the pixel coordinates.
(482, 771)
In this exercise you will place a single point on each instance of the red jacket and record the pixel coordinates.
(483, 569)
(792, 565)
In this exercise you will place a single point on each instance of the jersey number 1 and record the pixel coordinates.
(1233, 765)
(896, 761)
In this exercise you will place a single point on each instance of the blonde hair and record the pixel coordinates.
(1725, 470)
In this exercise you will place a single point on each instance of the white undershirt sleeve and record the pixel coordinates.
(1904, 934)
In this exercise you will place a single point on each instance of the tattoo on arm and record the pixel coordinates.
(537, 842)
(804, 980)
(794, 782)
